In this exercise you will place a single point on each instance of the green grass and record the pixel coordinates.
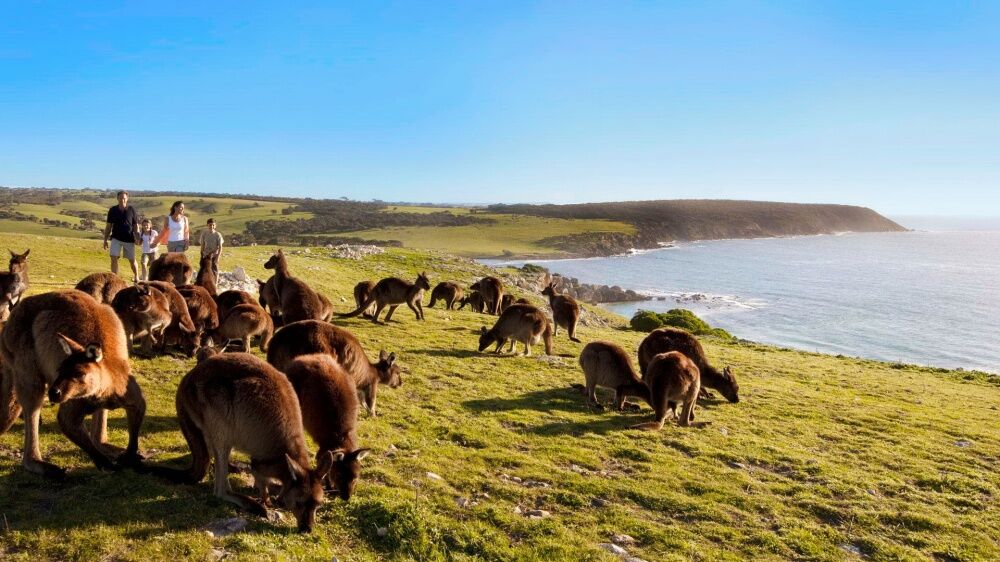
(519, 235)
(822, 455)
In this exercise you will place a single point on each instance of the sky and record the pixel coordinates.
(891, 105)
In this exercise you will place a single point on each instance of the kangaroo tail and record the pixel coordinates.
(547, 337)
(433, 300)
(361, 308)
(649, 426)
(199, 454)
(9, 408)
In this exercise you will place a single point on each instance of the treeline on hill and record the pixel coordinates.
(692, 219)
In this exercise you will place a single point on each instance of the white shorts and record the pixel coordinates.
(117, 246)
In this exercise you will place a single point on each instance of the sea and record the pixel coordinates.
(930, 296)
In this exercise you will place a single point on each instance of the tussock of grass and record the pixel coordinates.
(822, 458)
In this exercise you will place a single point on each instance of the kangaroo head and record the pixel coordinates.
(139, 299)
(731, 390)
(18, 262)
(274, 260)
(206, 351)
(486, 337)
(345, 471)
(388, 370)
(549, 290)
(302, 494)
(79, 373)
(423, 281)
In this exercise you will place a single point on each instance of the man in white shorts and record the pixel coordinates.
(123, 227)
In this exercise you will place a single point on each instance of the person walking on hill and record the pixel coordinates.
(148, 235)
(123, 229)
(175, 229)
(211, 245)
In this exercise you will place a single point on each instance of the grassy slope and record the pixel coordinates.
(823, 454)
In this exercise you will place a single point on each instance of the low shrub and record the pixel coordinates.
(647, 321)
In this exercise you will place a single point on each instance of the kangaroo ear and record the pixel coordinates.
(360, 454)
(324, 464)
(12, 253)
(391, 358)
(69, 346)
(728, 372)
(382, 355)
(294, 468)
(483, 330)
(94, 353)
(26, 252)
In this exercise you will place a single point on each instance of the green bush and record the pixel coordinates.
(647, 321)
(532, 268)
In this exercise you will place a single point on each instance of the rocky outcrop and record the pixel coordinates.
(534, 279)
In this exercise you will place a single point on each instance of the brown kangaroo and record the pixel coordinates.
(312, 336)
(84, 375)
(143, 310)
(362, 291)
(103, 286)
(329, 401)
(492, 290)
(206, 277)
(475, 301)
(519, 323)
(296, 300)
(608, 365)
(243, 322)
(203, 310)
(181, 324)
(237, 401)
(228, 299)
(666, 339)
(672, 378)
(509, 299)
(14, 282)
(392, 292)
(326, 308)
(448, 292)
(171, 267)
(565, 311)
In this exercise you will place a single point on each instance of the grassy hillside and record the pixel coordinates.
(824, 458)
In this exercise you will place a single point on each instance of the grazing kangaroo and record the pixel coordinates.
(14, 282)
(392, 292)
(237, 401)
(448, 292)
(519, 323)
(672, 378)
(181, 325)
(329, 401)
(565, 311)
(492, 290)
(608, 365)
(243, 322)
(362, 291)
(296, 300)
(102, 286)
(171, 267)
(143, 310)
(662, 340)
(233, 297)
(475, 301)
(206, 277)
(203, 310)
(311, 336)
(84, 375)
(508, 300)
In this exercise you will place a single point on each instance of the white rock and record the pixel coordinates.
(613, 549)
(599, 502)
(433, 476)
(517, 510)
(622, 539)
(382, 531)
(724, 432)
(225, 527)
(537, 513)
(217, 554)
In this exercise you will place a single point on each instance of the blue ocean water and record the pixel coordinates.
(930, 298)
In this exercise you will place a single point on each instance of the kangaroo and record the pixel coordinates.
(672, 378)
(329, 401)
(448, 292)
(203, 310)
(237, 401)
(519, 323)
(83, 375)
(606, 364)
(492, 290)
(475, 301)
(171, 267)
(102, 286)
(311, 336)
(565, 311)
(243, 322)
(392, 292)
(181, 326)
(326, 308)
(296, 299)
(361, 293)
(143, 310)
(662, 340)
(509, 299)
(206, 277)
(14, 282)
(233, 297)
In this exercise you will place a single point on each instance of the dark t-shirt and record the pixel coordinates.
(123, 223)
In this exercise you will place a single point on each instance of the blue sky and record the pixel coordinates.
(891, 105)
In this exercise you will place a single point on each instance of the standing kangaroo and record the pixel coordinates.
(14, 282)
(492, 290)
(172, 267)
(672, 378)
(446, 291)
(206, 277)
(362, 291)
(103, 286)
(237, 401)
(392, 292)
(608, 365)
(296, 299)
(311, 336)
(565, 311)
(519, 323)
(84, 375)
(666, 339)
(243, 322)
(329, 401)
(233, 297)
(143, 310)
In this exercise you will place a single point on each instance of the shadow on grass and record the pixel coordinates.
(457, 353)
